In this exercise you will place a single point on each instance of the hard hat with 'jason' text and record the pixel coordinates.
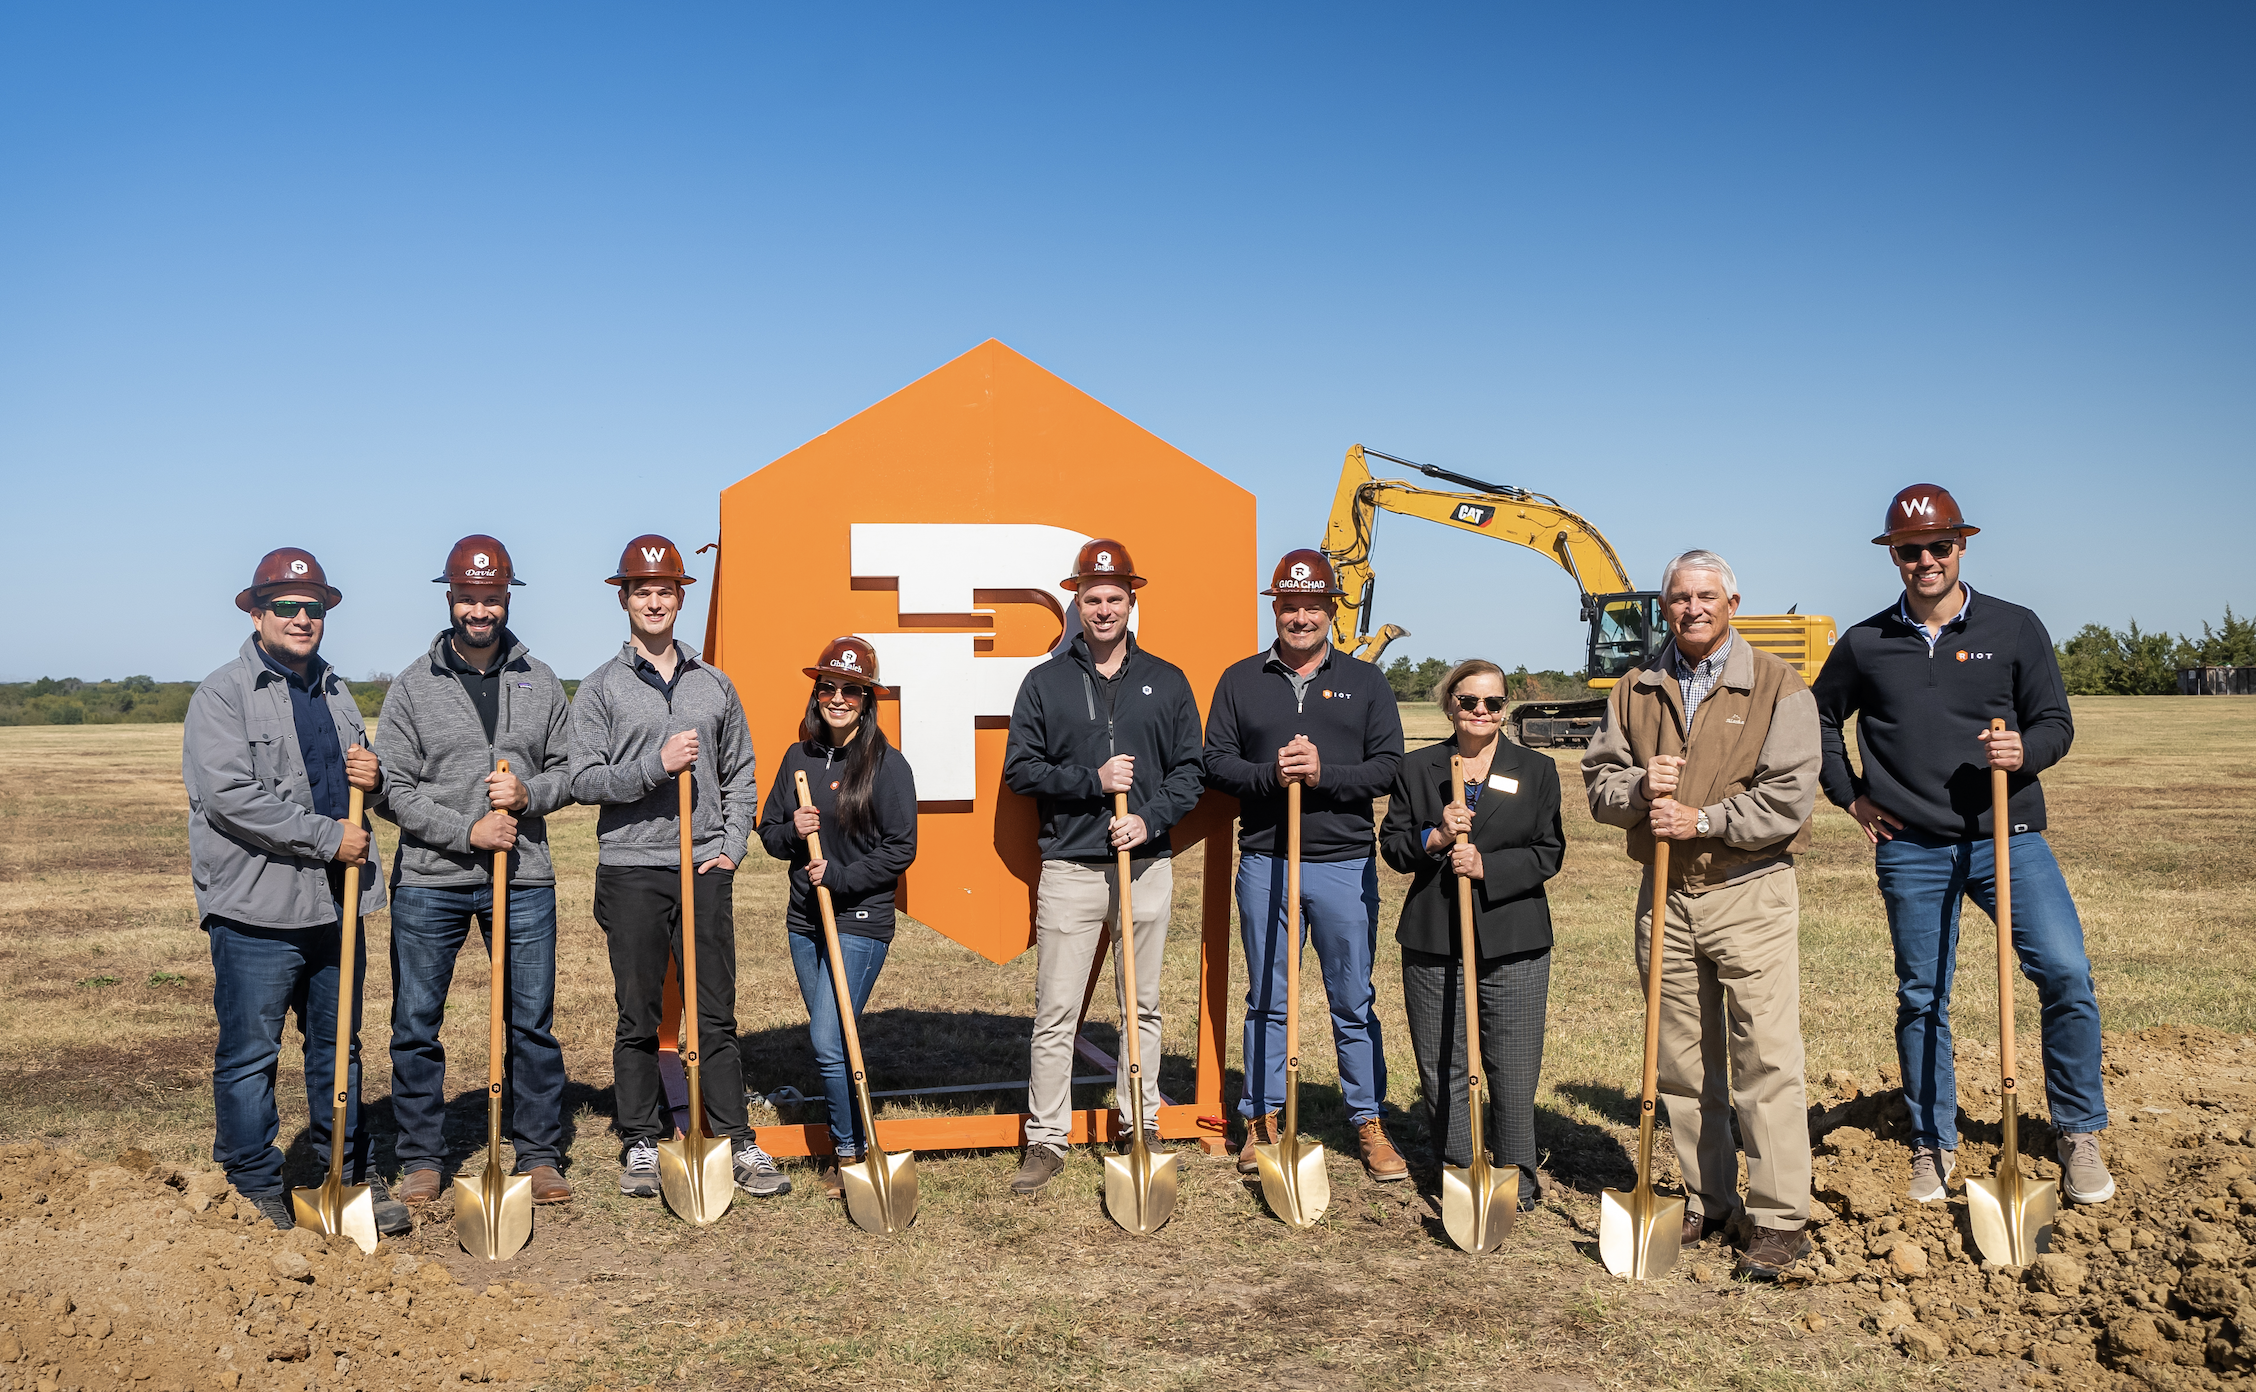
(651, 557)
(1304, 572)
(1103, 562)
(849, 659)
(1923, 507)
(478, 559)
(287, 567)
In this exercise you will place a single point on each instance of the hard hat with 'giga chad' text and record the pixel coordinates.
(1304, 572)
(849, 659)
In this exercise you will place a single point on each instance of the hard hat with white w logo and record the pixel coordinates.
(652, 557)
(850, 659)
(1103, 562)
(283, 569)
(1304, 572)
(478, 559)
(1923, 507)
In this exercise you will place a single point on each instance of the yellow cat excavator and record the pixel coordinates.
(1626, 624)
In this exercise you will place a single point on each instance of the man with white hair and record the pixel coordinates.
(1714, 745)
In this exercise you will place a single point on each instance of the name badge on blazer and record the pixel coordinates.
(1502, 784)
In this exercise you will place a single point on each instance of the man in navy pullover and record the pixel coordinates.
(1302, 712)
(1925, 677)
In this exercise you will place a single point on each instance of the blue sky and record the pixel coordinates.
(366, 279)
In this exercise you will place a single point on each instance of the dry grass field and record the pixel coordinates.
(105, 1042)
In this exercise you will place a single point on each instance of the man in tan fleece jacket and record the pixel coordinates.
(1714, 747)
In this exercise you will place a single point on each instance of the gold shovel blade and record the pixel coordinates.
(493, 1213)
(1639, 1233)
(693, 1174)
(881, 1191)
(2012, 1217)
(334, 1209)
(1478, 1203)
(1140, 1203)
(1294, 1181)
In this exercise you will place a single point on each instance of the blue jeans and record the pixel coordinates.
(863, 958)
(260, 975)
(1339, 907)
(429, 926)
(1924, 880)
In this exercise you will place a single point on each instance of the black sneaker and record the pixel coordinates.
(1152, 1142)
(392, 1217)
(274, 1206)
(757, 1173)
(1041, 1165)
(638, 1179)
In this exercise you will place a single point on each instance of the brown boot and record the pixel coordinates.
(1381, 1161)
(1262, 1130)
(834, 1184)
(549, 1185)
(1772, 1251)
(418, 1187)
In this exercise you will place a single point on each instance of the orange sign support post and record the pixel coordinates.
(936, 525)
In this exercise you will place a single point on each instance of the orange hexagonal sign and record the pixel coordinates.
(936, 525)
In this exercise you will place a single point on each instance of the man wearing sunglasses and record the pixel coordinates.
(1924, 678)
(273, 747)
(475, 699)
(1713, 747)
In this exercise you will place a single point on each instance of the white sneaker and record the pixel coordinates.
(1931, 1169)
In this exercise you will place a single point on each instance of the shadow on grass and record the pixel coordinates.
(463, 1130)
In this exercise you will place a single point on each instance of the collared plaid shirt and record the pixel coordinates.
(1698, 679)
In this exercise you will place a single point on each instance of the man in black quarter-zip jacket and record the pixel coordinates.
(1303, 712)
(1100, 718)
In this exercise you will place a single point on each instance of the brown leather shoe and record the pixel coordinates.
(1262, 1130)
(549, 1185)
(418, 1187)
(1699, 1227)
(834, 1186)
(1772, 1251)
(1381, 1161)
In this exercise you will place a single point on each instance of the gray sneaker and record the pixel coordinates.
(2083, 1175)
(392, 1217)
(757, 1173)
(638, 1178)
(1931, 1169)
(1041, 1165)
(274, 1207)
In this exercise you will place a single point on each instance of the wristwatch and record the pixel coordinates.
(1701, 826)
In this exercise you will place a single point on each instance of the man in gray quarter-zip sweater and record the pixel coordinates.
(453, 716)
(638, 722)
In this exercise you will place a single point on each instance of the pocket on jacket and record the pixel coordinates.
(266, 758)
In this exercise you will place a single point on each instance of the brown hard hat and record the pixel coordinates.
(478, 559)
(652, 557)
(1304, 572)
(1103, 562)
(850, 658)
(1923, 507)
(287, 567)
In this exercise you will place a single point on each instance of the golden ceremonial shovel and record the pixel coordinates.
(881, 1189)
(1477, 1201)
(1139, 1188)
(1640, 1234)
(693, 1170)
(333, 1206)
(493, 1210)
(2011, 1216)
(1293, 1178)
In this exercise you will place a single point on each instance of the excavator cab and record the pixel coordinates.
(1626, 630)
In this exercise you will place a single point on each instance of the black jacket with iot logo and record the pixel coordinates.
(1348, 712)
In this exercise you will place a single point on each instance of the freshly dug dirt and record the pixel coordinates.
(138, 1275)
(2149, 1290)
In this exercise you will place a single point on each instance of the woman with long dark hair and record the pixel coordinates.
(865, 807)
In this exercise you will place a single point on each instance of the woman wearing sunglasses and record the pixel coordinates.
(1511, 816)
(866, 810)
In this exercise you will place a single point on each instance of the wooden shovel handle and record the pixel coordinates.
(1467, 939)
(689, 1057)
(497, 919)
(1658, 929)
(348, 994)
(1292, 926)
(846, 1022)
(1132, 1018)
(2002, 852)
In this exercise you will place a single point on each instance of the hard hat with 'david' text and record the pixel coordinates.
(478, 559)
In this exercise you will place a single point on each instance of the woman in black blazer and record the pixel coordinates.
(1517, 842)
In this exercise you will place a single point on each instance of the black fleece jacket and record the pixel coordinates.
(1068, 720)
(863, 869)
(1918, 712)
(1347, 711)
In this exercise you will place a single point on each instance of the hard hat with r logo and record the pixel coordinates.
(1103, 562)
(478, 559)
(1304, 572)
(287, 567)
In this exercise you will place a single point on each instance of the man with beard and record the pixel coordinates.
(273, 746)
(453, 715)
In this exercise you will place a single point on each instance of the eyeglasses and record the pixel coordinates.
(825, 690)
(1469, 704)
(1911, 551)
(288, 608)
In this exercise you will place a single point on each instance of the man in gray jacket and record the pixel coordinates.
(274, 744)
(475, 700)
(638, 721)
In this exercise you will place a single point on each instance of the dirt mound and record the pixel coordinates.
(2149, 1290)
(139, 1275)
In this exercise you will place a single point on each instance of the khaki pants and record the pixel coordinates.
(1072, 907)
(1731, 991)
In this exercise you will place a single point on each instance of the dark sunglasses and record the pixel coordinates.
(1469, 704)
(825, 690)
(288, 608)
(1911, 550)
